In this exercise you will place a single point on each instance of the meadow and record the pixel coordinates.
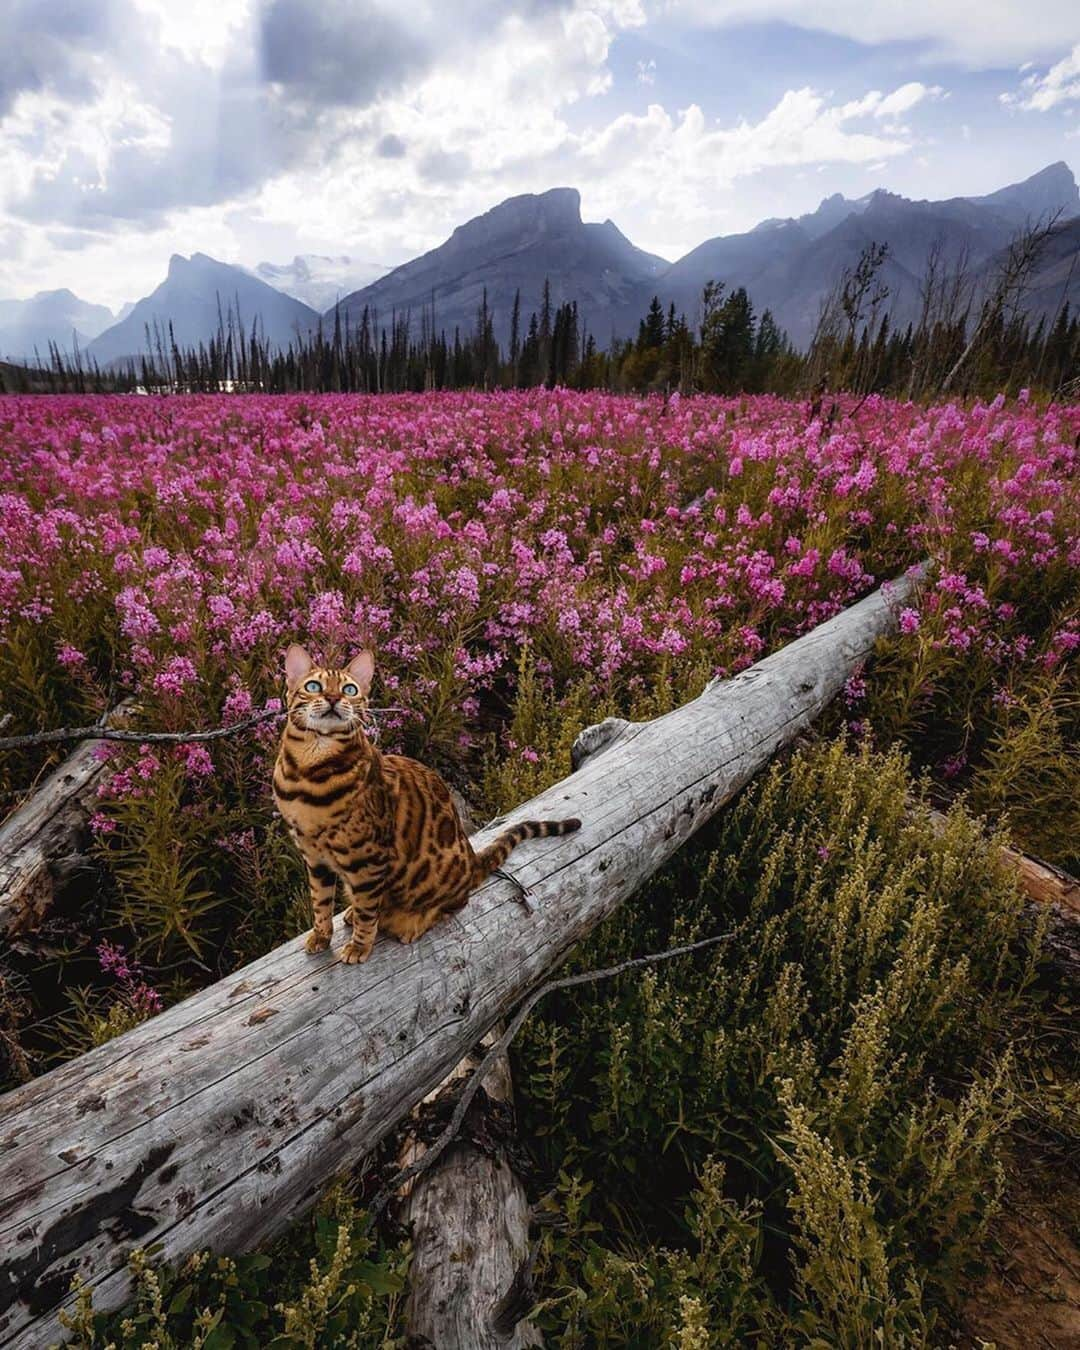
(821, 1161)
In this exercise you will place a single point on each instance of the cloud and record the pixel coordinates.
(1040, 93)
(999, 33)
(390, 147)
(441, 166)
(663, 165)
(905, 98)
(339, 52)
(177, 118)
(54, 47)
(200, 137)
(802, 128)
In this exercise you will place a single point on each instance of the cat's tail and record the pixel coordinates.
(496, 853)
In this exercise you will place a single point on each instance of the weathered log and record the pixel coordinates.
(43, 842)
(222, 1119)
(1042, 882)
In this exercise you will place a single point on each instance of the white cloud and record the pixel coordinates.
(198, 28)
(663, 167)
(1040, 93)
(905, 98)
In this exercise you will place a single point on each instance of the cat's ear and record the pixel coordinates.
(297, 665)
(362, 669)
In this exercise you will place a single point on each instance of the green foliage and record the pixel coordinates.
(182, 898)
(324, 1285)
(1030, 772)
(93, 1018)
(845, 1057)
(157, 860)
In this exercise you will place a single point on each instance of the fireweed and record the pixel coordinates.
(619, 552)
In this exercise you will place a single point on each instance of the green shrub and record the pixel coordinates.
(322, 1285)
(844, 1058)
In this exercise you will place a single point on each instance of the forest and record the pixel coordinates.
(972, 336)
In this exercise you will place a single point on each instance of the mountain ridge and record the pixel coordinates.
(195, 292)
(57, 317)
(788, 265)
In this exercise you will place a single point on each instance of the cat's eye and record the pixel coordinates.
(313, 687)
(349, 690)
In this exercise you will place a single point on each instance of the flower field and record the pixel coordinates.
(625, 550)
(525, 564)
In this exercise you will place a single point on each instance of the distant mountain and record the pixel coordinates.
(514, 247)
(790, 266)
(61, 317)
(1055, 279)
(195, 292)
(319, 281)
(1045, 194)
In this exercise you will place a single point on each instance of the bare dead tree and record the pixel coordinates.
(1008, 289)
(945, 295)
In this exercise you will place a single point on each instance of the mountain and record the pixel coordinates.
(516, 246)
(195, 292)
(791, 266)
(1045, 194)
(61, 317)
(788, 265)
(1055, 278)
(317, 280)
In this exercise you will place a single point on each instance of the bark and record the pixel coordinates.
(43, 842)
(221, 1120)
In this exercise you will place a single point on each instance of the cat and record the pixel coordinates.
(384, 824)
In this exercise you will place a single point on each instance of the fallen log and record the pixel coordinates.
(222, 1119)
(43, 842)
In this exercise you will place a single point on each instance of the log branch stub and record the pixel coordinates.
(42, 841)
(469, 1218)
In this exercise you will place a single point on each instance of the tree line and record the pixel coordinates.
(972, 336)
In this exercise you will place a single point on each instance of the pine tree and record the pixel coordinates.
(515, 337)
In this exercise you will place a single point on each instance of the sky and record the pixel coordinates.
(254, 130)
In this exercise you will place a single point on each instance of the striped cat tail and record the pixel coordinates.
(497, 852)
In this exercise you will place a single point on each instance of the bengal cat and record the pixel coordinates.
(384, 824)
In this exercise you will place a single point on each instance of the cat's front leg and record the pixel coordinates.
(322, 883)
(365, 891)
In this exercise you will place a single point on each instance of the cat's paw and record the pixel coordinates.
(354, 953)
(317, 942)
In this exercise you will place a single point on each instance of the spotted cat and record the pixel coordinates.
(384, 824)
